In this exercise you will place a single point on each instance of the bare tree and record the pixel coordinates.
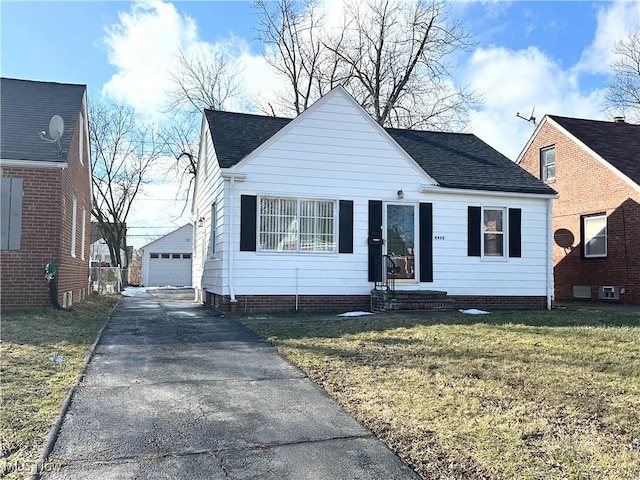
(122, 154)
(392, 56)
(293, 33)
(180, 141)
(623, 94)
(204, 78)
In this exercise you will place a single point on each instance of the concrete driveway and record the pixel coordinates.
(176, 392)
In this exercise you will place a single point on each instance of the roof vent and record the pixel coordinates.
(619, 119)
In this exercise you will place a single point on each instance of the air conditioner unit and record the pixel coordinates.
(609, 292)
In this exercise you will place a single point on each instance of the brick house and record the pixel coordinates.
(46, 192)
(595, 168)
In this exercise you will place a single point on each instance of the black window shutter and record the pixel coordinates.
(375, 238)
(426, 242)
(345, 228)
(474, 231)
(248, 211)
(515, 235)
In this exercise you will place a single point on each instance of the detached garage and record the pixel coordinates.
(167, 260)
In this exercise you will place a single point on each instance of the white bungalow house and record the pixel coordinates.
(327, 209)
(167, 260)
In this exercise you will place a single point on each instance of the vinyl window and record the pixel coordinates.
(297, 225)
(594, 242)
(493, 235)
(548, 164)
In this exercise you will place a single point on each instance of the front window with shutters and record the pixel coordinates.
(297, 225)
(493, 232)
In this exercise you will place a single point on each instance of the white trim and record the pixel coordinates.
(584, 219)
(228, 174)
(298, 250)
(6, 162)
(416, 238)
(489, 193)
(74, 225)
(84, 233)
(504, 232)
(81, 138)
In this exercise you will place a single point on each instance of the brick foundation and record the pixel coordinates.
(498, 302)
(272, 303)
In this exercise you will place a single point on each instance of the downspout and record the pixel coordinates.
(549, 253)
(232, 177)
(232, 290)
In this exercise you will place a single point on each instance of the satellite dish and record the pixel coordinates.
(56, 127)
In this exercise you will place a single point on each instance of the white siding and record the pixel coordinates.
(333, 151)
(168, 271)
(208, 269)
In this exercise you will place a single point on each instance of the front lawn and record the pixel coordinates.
(42, 353)
(511, 395)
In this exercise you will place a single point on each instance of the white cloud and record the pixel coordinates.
(517, 81)
(142, 48)
(614, 22)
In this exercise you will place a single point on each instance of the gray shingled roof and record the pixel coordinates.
(617, 143)
(26, 107)
(454, 160)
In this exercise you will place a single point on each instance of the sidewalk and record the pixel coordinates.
(174, 391)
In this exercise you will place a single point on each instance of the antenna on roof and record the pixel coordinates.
(56, 128)
(531, 118)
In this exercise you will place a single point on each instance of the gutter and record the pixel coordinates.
(8, 162)
(232, 177)
(490, 193)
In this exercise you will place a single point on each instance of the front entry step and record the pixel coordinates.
(394, 300)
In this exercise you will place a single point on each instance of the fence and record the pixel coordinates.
(105, 280)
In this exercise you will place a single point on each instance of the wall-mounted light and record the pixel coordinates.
(201, 221)
(400, 194)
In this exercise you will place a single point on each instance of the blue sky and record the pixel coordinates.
(548, 54)
(65, 40)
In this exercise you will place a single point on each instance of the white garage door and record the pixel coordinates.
(172, 269)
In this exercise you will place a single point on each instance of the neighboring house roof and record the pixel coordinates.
(615, 142)
(27, 108)
(454, 160)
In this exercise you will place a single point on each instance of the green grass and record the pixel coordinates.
(34, 386)
(512, 395)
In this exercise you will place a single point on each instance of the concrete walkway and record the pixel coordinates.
(175, 392)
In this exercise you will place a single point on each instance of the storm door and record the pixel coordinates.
(401, 239)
